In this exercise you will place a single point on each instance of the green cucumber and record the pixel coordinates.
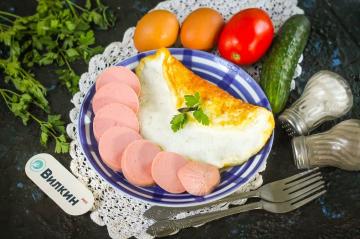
(280, 63)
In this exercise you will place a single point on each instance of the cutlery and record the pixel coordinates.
(168, 227)
(278, 191)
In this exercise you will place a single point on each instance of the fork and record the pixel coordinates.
(278, 191)
(169, 227)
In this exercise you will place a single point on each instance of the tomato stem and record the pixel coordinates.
(235, 56)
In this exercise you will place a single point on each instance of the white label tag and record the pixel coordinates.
(59, 184)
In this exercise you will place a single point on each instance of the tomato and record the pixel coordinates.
(246, 37)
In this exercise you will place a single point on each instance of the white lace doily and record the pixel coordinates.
(123, 215)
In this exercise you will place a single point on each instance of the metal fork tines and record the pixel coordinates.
(278, 191)
(168, 227)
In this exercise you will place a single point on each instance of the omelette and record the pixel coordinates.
(237, 130)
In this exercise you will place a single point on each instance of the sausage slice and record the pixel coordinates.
(114, 114)
(113, 143)
(136, 162)
(115, 93)
(164, 171)
(198, 178)
(118, 74)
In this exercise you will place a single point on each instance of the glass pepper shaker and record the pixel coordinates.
(326, 96)
(338, 147)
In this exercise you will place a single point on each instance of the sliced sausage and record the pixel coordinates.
(198, 178)
(115, 93)
(164, 171)
(112, 144)
(136, 162)
(114, 114)
(118, 74)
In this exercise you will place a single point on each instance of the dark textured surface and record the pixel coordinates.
(334, 44)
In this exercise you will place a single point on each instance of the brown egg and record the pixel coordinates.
(158, 28)
(201, 29)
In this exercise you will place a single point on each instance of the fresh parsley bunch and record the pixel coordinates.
(59, 33)
(192, 103)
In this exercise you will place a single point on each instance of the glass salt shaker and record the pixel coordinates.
(326, 96)
(338, 147)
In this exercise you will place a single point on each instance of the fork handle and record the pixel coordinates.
(167, 227)
(160, 213)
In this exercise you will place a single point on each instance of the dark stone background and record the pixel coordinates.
(334, 44)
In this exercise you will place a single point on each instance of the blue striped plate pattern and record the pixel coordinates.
(222, 73)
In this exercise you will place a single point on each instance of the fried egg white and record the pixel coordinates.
(237, 130)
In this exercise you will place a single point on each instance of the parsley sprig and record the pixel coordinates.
(192, 103)
(54, 127)
(59, 33)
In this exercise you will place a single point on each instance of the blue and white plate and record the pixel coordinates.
(214, 69)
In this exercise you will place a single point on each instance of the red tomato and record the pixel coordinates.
(246, 37)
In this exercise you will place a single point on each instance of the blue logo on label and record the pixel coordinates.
(37, 165)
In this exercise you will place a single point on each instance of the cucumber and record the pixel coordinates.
(280, 63)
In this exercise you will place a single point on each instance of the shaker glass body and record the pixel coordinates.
(326, 96)
(338, 147)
